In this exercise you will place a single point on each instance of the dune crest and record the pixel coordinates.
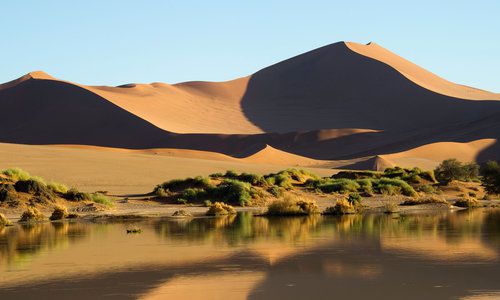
(419, 75)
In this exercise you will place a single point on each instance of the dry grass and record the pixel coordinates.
(32, 215)
(341, 207)
(292, 206)
(432, 199)
(4, 221)
(60, 212)
(220, 209)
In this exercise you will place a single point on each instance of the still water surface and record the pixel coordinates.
(451, 255)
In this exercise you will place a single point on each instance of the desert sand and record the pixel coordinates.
(345, 105)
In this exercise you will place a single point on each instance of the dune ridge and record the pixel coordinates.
(345, 102)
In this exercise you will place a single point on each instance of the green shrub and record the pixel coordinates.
(341, 185)
(452, 169)
(161, 192)
(230, 174)
(219, 209)
(341, 207)
(290, 206)
(57, 187)
(32, 215)
(4, 221)
(101, 199)
(193, 194)
(16, 174)
(182, 184)
(383, 186)
(232, 191)
(253, 179)
(354, 198)
(390, 208)
(216, 175)
(276, 191)
(428, 189)
(207, 203)
(59, 213)
(33, 187)
(490, 172)
(357, 175)
(389, 190)
(182, 201)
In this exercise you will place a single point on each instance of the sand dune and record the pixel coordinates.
(342, 105)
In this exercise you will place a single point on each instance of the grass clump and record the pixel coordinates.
(467, 202)
(33, 187)
(32, 215)
(220, 209)
(390, 208)
(433, 199)
(232, 191)
(57, 188)
(276, 191)
(290, 206)
(4, 221)
(341, 185)
(16, 174)
(101, 199)
(341, 207)
(354, 198)
(75, 195)
(393, 186)
(175, 185)
(59, 213)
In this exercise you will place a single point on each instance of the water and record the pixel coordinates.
(438, 256)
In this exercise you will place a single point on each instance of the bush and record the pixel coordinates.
(491, 177)
(428, 189)
(253, 179)
(16, 174)
(232, 191)
(289, 206)
(354, 198)
(4, 221)
(341, 207)
(57, 187)
(426, 200)
(207, 203)
(74, 195)
(33, 187)
(357, 175)
(8, 193)
(341, 185)
(276, 191)
(101, 199)
(366, 186)
(32, 215)
(390, 208)
(193, 194)
(405, 189)
(161, 192)
(59, 213)
(182, 184)
(219, 209)
(452, 169)
(389, 190)
(467, 202)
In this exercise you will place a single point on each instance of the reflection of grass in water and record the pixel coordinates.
(234, 230)
(245, 228)
(20, 243)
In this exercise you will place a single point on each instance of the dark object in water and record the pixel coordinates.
(135, 230)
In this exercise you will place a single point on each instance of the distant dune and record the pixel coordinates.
(342, 105)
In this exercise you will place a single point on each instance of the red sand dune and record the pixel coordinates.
(344, 102)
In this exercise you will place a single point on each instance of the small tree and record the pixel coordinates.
(491, 177)
(452, 169)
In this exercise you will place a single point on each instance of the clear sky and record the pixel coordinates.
(110, 42)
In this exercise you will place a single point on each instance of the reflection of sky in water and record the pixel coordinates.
(442, 256)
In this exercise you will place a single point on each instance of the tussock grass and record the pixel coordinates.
(432, 199)
(467, 202)
(57, 187)
(32, 215)
(220, 209)
(292, 206)
(60, 212)
(101, 199)
(341, 207)
(4, 221)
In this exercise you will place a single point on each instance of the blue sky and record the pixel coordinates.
(115, 42)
